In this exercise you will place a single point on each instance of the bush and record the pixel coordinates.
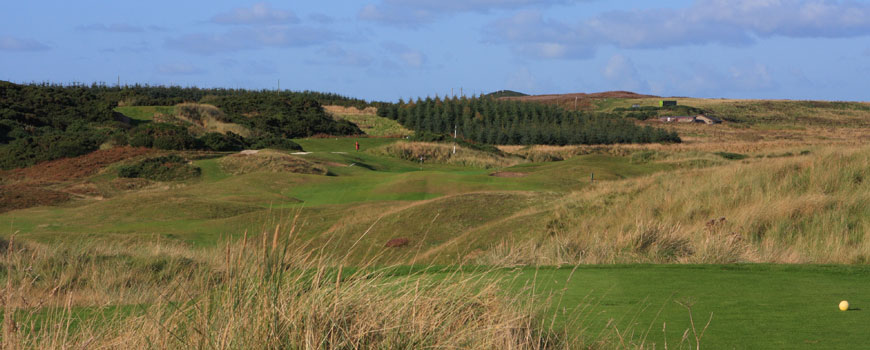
(24, 152)
(273, 142)
(165, 168)
(223, 143)
(162, 136)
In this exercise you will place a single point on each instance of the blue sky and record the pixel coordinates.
(387, 49)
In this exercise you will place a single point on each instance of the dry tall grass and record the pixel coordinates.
(801, 209)
(442, 153)
(208, 118)
(269, 291)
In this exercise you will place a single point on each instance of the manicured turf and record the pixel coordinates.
(753, 306)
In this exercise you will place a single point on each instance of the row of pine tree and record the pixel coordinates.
(493, 121)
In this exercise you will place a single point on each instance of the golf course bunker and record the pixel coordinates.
(508, 174)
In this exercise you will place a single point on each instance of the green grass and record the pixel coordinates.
(374, 125)
(753, 306)
(144, 114)
(364, 185)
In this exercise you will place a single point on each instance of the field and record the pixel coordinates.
(759, 222)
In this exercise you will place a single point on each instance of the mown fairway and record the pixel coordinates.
(753, 306)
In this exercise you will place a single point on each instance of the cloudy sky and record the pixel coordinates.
(387, 49)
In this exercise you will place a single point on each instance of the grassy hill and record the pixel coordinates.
(757, 221)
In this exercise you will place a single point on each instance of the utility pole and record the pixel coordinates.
(575, 103)
(279, 85)
(455, 130)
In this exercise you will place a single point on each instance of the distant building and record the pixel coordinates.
(666, 103)
(690, 119)
(635, 106)
(678, 119)
(708, 120)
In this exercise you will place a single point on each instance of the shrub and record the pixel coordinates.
(162, 136)
(274, 142)
(220, 142)
(28, 151)
(165, 168)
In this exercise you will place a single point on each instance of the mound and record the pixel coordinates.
(443, 153)
(207, 118)
(269, 161)
(72, 168)
(20, 196)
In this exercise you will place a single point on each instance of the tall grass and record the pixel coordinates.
(800, 209)
(267, 291)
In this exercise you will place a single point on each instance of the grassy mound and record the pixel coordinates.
(442, 153)
(269, 161)
(206, 118)
(368, 120)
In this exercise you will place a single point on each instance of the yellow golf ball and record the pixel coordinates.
(844, 305)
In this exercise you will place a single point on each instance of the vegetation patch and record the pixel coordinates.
(442, 153)
(22, 196)
(73, 168)
(732, 156)
(508, 122)
(369, 122)
(269, 161)
(165, 168)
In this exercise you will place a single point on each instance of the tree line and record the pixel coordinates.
(492, 121)
(40, 122)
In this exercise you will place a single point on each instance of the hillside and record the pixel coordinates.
(627, 234)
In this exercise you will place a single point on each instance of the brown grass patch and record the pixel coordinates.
(72, 168)
(341, 110)
(14, 197)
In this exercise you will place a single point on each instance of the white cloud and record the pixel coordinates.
(337, 55)
(621, 72)
(408, 57)
(259, 13)
(8, 43)
(112, 28)
(417, 12)
(250, 38)
(731, 22)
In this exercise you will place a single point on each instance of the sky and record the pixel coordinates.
(390, 49)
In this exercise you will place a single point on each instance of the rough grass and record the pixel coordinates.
(207, 118)
(443, 153)
(369, 122)
(263, 291)
(268, 161)
(801, 209)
